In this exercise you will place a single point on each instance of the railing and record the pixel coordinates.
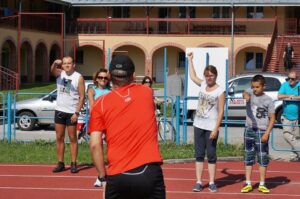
(170, 26)
(8, 79)
(47, 23)
(270, 47)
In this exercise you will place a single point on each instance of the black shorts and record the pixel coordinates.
(64, 118)
(143, 182)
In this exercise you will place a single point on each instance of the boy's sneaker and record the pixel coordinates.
(59, 167)
(213, 188)
(247, 188)
(97, 183)
(74, 167)
(263, 189)
(198, 187)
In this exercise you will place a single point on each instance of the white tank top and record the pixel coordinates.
(67, 92)
(207, 109)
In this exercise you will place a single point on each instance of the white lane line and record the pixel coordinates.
(164, 168)
(236, 193)
(48, 188)
(236, 170)
(171, 192)
(169, 179)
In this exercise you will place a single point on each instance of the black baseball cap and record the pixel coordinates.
(122, 63)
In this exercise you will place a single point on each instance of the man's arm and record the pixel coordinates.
(56, 68)
(97, 153)
(284, 96)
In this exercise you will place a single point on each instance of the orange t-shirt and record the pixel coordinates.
(126, 116)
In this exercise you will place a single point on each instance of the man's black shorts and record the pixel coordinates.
(64, 118)
(143, 182)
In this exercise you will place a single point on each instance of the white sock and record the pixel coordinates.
(248, 182)
(211, 183)
(199, 182)
(261, 183)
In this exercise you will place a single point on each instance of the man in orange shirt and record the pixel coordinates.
(126, 116)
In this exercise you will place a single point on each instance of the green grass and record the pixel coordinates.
(43, 152)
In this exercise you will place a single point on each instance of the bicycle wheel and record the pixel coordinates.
(160, 129)
(170, 131)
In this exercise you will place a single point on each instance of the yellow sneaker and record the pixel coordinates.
(263, 189)
(247, 188)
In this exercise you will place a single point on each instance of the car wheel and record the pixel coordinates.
(278, 116)
(25, 121)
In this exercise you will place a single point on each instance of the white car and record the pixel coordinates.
(38, 111)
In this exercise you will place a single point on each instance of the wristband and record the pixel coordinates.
(102, 179)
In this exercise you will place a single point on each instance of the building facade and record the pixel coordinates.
(34, 33)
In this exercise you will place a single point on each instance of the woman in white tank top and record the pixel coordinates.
(208, 118)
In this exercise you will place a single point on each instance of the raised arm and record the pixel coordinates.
(56, 67)
(192, 71)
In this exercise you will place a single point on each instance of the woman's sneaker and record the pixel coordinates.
(59, 167)
(198, 187)
(213, 188)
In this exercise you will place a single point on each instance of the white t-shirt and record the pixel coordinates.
(207, 109)
(67, 92)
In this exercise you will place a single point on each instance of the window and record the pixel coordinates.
(184, 12)
(253, 60)
(255, 12)
(120, 12)
(79, 57)
(181, 59)
(192, 11)
(272, 84)
(259, 60)
(240, 85)
(220, 12)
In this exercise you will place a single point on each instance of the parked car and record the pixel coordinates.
(238, 84)
(38, 111)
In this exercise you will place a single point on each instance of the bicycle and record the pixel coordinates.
(170, 130)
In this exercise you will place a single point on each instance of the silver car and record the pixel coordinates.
(238, 84)
(38, 111)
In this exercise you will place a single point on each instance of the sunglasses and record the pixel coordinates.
(101, 77)
(289, 78)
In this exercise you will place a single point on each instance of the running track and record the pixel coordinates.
(38, 182)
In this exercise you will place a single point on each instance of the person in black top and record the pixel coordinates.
(288, 55)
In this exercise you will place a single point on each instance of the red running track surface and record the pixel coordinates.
(38, 182)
